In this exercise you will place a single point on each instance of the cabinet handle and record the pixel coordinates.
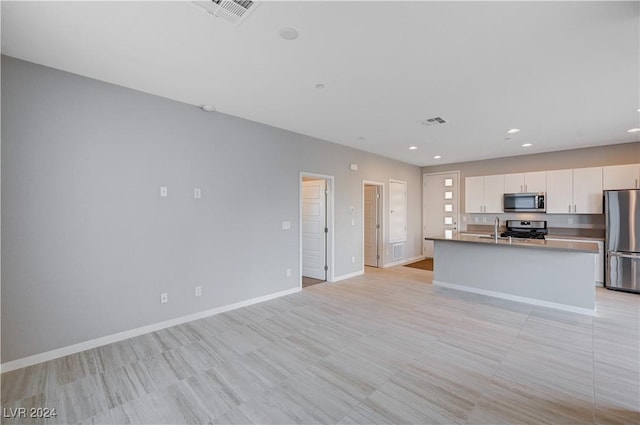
(569, 207)
(637, 184)
(525, 187)
(574, 207)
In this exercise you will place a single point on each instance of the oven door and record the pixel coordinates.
(523, 202)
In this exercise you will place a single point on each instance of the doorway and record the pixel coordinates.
(316, 229)
(440, 207)
(372, 223)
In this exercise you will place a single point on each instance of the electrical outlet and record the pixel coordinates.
(164, 298)
(197, 193)
(570, 221)
(163, 192)
(198, 291)
(288, 272)
(353, 259)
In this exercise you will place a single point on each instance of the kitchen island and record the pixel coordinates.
(556, 274)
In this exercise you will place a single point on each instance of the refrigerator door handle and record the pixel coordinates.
(625, 255)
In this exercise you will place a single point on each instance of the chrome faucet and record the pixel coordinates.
(496, 224)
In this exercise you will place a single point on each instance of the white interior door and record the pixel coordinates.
(440, 207)
(314, 222)
(371, 225)
(397, 211)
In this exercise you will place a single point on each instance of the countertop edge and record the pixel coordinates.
(556, 246)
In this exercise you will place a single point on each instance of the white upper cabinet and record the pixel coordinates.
(483, 194)
(587, 190)
(621, 177)
(493, 191)
(514, 183)
(577, 191)
(474, 194)
(535, 182)
(525, 182)
(559, 198)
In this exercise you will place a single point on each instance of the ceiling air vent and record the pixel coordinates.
(234, 11)
(432, 121)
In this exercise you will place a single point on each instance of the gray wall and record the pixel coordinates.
(87, 243)
(627, 153)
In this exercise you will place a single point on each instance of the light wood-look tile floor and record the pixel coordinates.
(386, 347)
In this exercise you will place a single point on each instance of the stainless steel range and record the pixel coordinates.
(527, 229)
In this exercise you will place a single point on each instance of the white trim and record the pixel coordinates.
(121, 336)
(526, 300)
(348, 276)
(382, 241)
(404, 261)
(330, 222)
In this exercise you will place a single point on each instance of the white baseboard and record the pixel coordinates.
(403, 261)
(533, 301)
(348, 275)
(121, 336)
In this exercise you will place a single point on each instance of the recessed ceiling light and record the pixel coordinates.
(638, 109)
(208, 108)
(437, 157)
(413, 148)
(526, 145)
(288, 33)
(513, 131)
(320, 86)
(633, 130)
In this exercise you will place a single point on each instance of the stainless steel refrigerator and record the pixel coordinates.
(622, 209)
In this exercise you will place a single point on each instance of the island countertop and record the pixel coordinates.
(571, 246)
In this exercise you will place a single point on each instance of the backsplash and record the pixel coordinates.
(570, 222)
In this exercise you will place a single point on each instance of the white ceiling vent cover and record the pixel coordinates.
(234, 11)
(432, 121)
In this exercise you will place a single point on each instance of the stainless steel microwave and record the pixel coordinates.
(524, 202)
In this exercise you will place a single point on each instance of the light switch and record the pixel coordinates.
(353, 222)
(353, 166)
(197, 193)
(163, 192)
(286, 225)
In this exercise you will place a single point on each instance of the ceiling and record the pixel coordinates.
(565, 73)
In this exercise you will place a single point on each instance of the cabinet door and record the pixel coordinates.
(493, 191)
(474, 194)
(535, 182)
(621, 177)
(587, 190)
(514, 183)
(559, 192)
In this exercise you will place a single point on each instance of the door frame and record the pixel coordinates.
(457, 198)
(329, 218)
(381, 210)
